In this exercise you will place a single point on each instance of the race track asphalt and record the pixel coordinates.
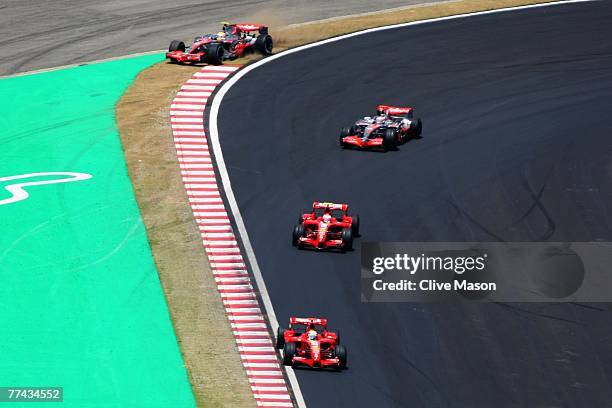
(516, 147)
(36, 34)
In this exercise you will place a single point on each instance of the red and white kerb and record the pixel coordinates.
(233, 283)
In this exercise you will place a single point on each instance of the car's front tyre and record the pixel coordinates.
(340, 352)
(289, 351)
(390, 139)
(344, 132)
(347, 239)
(298, 232)
(280, 338)
(214, 54)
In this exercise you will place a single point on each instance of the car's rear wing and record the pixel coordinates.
(329, 206)
(308, 320)
(394, 110)
(252, 27)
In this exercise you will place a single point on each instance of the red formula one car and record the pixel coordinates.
(230, 43)
(391, 127)
(307, 342)
(327, 226)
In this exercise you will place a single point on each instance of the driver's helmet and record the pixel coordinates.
(380, 111)
(312, 335)
(221, 35)
(327, 217)
(380, 118)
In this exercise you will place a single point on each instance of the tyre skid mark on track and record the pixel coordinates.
(228, 267)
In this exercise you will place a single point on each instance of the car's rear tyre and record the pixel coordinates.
(347, 239)
(214, 54)
(280, 338)
(390, 139)
(176, 45)
(289, 351)
(416, 127)
(340, 352)
(264, 44)
(298, 232)
(355, 225)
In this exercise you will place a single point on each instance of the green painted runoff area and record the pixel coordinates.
(81, 305)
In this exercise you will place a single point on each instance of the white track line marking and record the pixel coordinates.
(19, 194)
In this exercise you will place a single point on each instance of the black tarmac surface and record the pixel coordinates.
(517, 146)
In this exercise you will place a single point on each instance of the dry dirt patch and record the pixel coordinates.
(205, 337)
